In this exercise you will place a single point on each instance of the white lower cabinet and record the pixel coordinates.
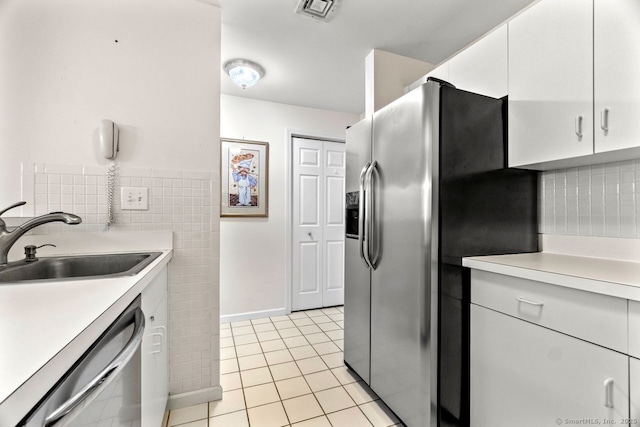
(528, 375)
(634, 390)
(155, 352)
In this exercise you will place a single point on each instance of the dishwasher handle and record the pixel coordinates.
(85, 395)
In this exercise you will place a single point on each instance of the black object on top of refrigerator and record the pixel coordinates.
(429, 171)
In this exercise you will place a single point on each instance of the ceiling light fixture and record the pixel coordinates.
(243, 73)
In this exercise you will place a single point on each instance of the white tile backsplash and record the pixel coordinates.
(598, 200)
(182, 202)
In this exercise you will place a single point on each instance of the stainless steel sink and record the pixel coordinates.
(77, 267)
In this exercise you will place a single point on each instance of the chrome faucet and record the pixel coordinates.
(8, 238)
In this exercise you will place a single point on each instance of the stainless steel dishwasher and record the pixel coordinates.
(103, 386)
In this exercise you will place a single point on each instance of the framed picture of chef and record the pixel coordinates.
(244, 178)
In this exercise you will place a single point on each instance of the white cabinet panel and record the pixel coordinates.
(155, 351)
(551, 82)
(527, 375)
(616, 67)
(634, 390)
(634, 328)
(482, 67)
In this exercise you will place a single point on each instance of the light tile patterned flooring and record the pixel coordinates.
(287, 371)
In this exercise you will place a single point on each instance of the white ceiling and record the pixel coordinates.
(321, 64)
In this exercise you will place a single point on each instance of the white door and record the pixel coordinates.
(318, 224)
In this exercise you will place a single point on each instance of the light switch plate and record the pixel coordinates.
(135, 198)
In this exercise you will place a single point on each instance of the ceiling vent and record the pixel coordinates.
(318, 9)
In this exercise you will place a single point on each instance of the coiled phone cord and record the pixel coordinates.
(112, 171)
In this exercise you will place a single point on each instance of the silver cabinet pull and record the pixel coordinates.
(310, 235)
(579, 126)
(604, 119)
(526, 301)
(608, 393)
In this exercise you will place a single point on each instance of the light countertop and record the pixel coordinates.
(619, 278)
(46, 326)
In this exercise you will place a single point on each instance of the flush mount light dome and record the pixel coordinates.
(243, 73)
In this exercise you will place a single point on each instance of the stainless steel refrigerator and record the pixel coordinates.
(426, 185)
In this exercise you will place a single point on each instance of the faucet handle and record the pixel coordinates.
(15, 205)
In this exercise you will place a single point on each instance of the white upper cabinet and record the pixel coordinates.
(617, 72)
(574, 94)
(551, 82)
(482, 67)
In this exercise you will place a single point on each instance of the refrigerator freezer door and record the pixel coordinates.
(404, 284)
(357, 285)
(357, 296)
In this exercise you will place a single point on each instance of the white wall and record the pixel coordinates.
(61, 71)
(386, 77)
(252, 258)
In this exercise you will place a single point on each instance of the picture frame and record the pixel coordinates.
(244, 181)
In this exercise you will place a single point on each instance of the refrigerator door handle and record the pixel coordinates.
(370, 215)
(361, 215)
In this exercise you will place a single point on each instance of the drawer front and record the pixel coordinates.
(597, 318)
(634, 328)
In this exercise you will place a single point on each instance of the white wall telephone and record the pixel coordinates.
(109, 147)
(109, 139)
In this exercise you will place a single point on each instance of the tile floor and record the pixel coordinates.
(287, 371)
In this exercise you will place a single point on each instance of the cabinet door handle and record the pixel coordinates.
(579, 126)
(604, 119)
(526, 301)
(158, 345)
(608, 393)
(162, 335)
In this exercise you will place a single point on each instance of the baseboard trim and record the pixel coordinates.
(252, 315)
(182, 400)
